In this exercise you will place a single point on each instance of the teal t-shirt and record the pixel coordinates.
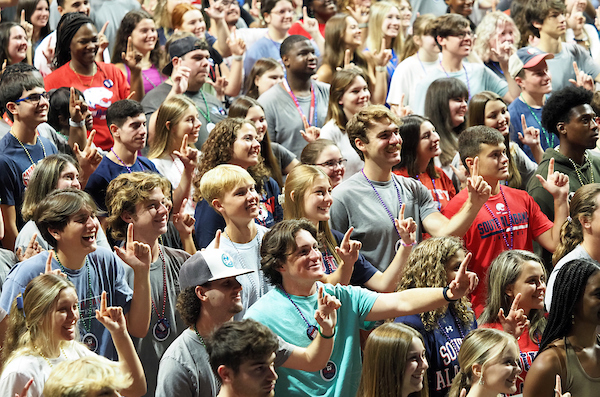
(342, 374)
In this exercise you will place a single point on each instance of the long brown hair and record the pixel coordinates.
(335, 48)
(340, 83)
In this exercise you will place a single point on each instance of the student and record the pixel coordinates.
(455, 38)
(370, 200)
(142, 199)
(23, 97)
(510, 219)
(67, 220)
(298, 103)
(242, 355)
(530, 71)
(292, 261)
(209, 298)
(546, 19)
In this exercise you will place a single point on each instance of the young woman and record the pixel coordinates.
(517, 283)
(278, 160)
(570, 346)
(394, 363)
(188, 18)
(14, 44)
(37, 14)
(42, 332)
(489, 364)
(308, 195)
(444, 329)
(321, 10)
(177, 120)
(489, 109)
(497, 36)
(101, 83)
(348, 93)
(138, 25)
(162, 14)
(234, 141)
(420, 146)
(420, 53)
(325, 154)
(265, 73)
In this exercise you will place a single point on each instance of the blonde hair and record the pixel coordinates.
(481, 346)
(171, 110)
(385, 357)
(222, 179)
(79, 378)
(487, 29)
(422, 26)
(378, 12)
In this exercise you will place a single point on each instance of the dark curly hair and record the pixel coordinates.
(558, 107)
(128, 24)
(188, 305)
(218, 149)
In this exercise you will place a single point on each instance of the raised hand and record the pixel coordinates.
(103, 40)
(326, 314)
(359, 12)
(187, 154)
(132, 57)
(464, 282)
(48, 267)
(27, 26)
(479, 190)
(89, 158)
(556, 183)
(349, 249)
(582, 79)
(558, 386)
(406, 227)
(183, 222)
(235, 44)
(310, 24)
(216, 10)
(530, 135)
(402, 110)
(49, 51)
(137, 255)
(516, 321)
(33, 248)
(383, 56)
(310, 133)
(217, 239)
(179, 78)
(503, 50)
(26, 389)
(255, 9)
(78, 108)
(111, 317)
(220, 82)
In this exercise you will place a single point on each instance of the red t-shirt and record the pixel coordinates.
(298, 29)
(486, 240)
(444, 189)
(106, 87)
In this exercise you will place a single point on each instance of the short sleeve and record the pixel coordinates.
(284, 351)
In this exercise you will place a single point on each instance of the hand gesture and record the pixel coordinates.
(309, 133)
(348, 249)
(78, 108)
(33, 248)
(402, 110)
(383, 56)
(48, 267)
(183, 222)
(103, 40)
(49, 52)
(28, 385)
(406, 227)
(556, 183)
(220, 83)
(132, 57)
(479, 190)
(27, 26)
(558, 386)
(310, 24)
(348, 64)
(360, 13)
(89, 158)
(180, 77)
(255, 9)
(187, 154)
(516, 321)
(235, 44)
(137, 255)
(464, 282)
(582, 79)
(461, 174)
(530, 135)
(326, 314)
(216, 11)
(463, 392)
(111, 317)
(217, 239)
(503, 50)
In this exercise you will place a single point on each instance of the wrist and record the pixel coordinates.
(380, 69)
(327, 333)
(73, 123)
(407, 245)
(237, 57)
(445, 293)
(363, 25)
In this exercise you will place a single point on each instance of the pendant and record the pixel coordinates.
(91, 342)
(312, 332)
(161, 330)
(209, 127)
(108, 83)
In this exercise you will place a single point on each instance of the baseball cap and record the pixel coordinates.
(179, 48)
(525, 58)
(208, 265)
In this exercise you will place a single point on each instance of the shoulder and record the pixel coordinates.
(178, 255)
(273, 95)
(321, 87)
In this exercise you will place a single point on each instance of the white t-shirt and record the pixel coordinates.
(172, 169)
(404, 80)
(331, 131)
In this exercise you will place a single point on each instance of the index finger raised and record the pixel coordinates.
(184, 143)
(576, 69)
(23, 17)
(462, 270)
(515, 304)
(305, 122)
(103, 302)
(304, 14)
(90, 139)
(551, 167)
(129, 235)
(346, 239)
(103, 28)
(523, 123)
(48, 268)
(475, 167)
(401, 215)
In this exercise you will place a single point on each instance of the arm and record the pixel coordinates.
(132, 58)
(189, 158)
(9, 217)
(531, 138)
(184, 223)
(237, 48)
(312, 27)
(379, 63)
(217, 15)
(88, 159)
(137, 256)
(179, 83)
(102, 43)
(78, 111)
(541, 376)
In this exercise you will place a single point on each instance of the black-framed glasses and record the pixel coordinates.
(464, 34)
(34, 98)
(333, 163)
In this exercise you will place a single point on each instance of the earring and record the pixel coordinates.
(481, 382)
(573, 318)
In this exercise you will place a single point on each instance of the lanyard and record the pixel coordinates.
(545, 133)
(466, 77)
(207, 114)
(313, 102)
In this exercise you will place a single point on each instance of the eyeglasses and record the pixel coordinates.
(464, 34)
(227, 3)
(333, 163)
(34, 98)
(283, 12)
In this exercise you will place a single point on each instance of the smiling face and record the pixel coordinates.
(493, 163)
(384, 144)
(581, 131)
(416, 365)
(69, 177)
(144, 36)
(82, 6)
(497, 116)
(587, 309)
(65, 315)
(352, 34)
(224, 295)
(151, 215)
(331, 161)
(281, 16)
(193, 22)
(246, 148)
(531, 284)
(458, 44)
(301, 59)
(268, 79)
(232, 11)
(79, 235)
(324, 9)
(317, 201)
(405, 14)
(30, 112)
(536, 80)
(40, 15)
(392, 23)
(500, 374)
(132, 134)
(458, 109)
(356, 97)
(462, 7)
(429, 145)
(84, 45)
(188, 124)
(240, 203)
(305, 264)
(257, 115)
(17, 45)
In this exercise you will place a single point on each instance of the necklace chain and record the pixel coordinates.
(578, 169)
(437, 196)
(164, 303)
(46, 358)
(25, 149)
(466, 77)
(199, 336)
(457, 323)
(499, 224)
(308, 325)
(122, 162)
(79, 76)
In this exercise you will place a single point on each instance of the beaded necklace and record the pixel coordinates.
(381, 200)
(199, 336)
(311, 330)
(122, 162)
(46, 358)
(162, 328)
(25, 149)
(89, 312)
(497, 221)
(578, 169)
(437, 196)
(460, 330)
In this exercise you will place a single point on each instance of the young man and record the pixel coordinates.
(546, 19)
(298, 105)
(23, 97)
(455, 38)
(242, 355)
(511, 218)
(142, 199)
(370, 200)
(67, 221)
(529, 69)
(210, 297)
(292, 261)
(188, 71)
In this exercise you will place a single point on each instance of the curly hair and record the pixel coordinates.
(126, 28)
(488, 29)
(426, 267)
(558, 107)
(189, 305)
(218, 149)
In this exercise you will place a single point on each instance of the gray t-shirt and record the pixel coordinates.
(283, 117)
(357, 204)
(283, 156)
(561, 66)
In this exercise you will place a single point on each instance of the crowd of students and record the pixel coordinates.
(324, 198)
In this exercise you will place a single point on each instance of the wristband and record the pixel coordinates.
(407, 245)
(74, 124)
(326, 337)
(381, 68)
(237, 57)
(445, 293)
(363, 25)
